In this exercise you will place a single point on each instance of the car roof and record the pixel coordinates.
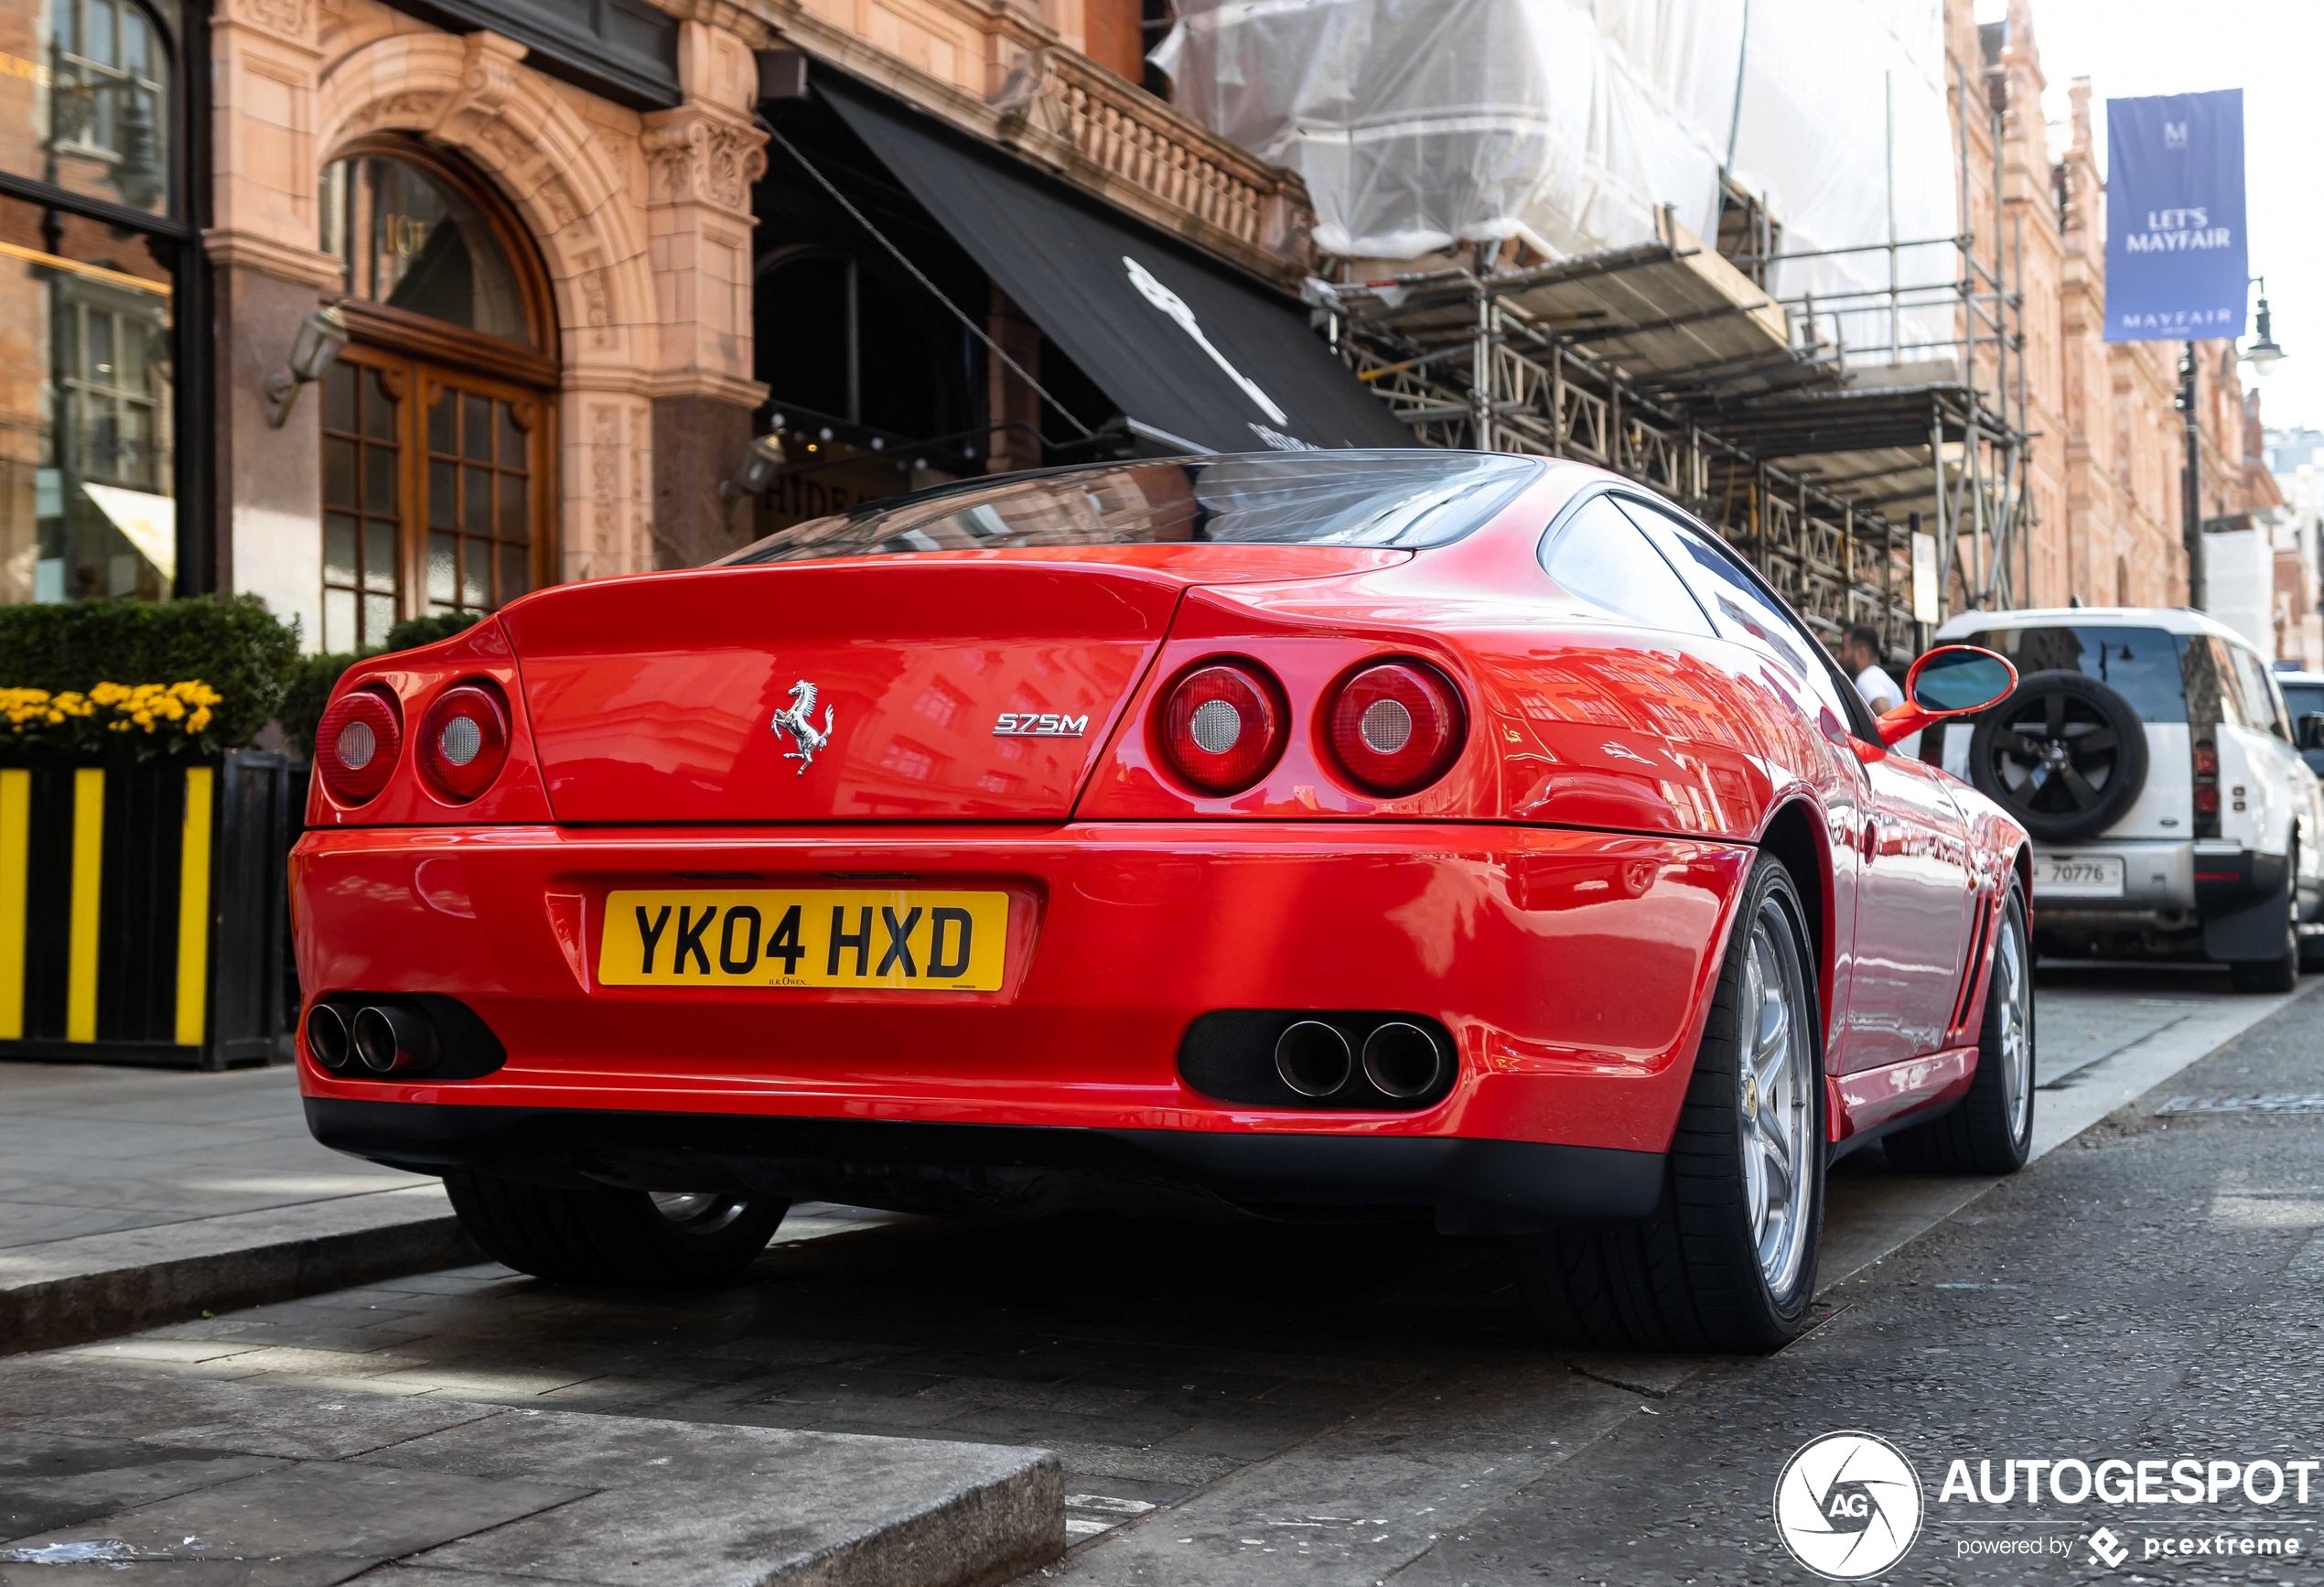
(2315, 680)
(2169, 619)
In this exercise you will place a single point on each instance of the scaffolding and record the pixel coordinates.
(1667, 362)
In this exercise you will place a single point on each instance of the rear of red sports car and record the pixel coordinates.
(1099, 838)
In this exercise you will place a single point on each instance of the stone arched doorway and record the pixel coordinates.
(439, 420)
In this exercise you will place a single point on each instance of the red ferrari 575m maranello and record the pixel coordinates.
(1309, 833)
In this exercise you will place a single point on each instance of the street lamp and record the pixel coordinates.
(2190, 476)
(2262, 353)
(759, 465)
(320, 336)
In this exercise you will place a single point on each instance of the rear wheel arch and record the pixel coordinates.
(1723, 1262)
(1795, 835)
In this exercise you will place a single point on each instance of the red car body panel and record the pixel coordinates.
(1121, 936)
(1560, 898)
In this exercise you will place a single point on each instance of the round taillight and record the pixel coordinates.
(1397, 727)
(464, 741)
(1222, 728)
(356, 744)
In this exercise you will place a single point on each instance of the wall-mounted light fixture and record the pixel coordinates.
(2264, 351)
(759, 466)
(320, 336)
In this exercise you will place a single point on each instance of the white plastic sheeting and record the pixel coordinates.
(1420, 123)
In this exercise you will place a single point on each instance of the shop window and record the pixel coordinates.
(92, 354)
(86, 101)
(87, 461)
(479, 508)
(361, 510)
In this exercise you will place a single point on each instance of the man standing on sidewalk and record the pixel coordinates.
(1860, 654)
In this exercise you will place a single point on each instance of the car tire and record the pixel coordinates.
(599, 1234)
(2311, 954)
(1990, 1130)
(2071, 711)
(1710, 1268)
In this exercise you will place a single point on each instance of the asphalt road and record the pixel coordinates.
(1263, 1404)
(2150, 1292)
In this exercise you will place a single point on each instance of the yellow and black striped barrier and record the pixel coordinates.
(141, 910)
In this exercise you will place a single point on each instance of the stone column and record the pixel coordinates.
(269, 275)
(1011, 402)
(703, 158)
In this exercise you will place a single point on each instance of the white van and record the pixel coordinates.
(2152, 758)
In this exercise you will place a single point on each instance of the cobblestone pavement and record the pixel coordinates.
(1232, 1400)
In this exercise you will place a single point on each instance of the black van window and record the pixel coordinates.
(2142, 664)
(2305, 699)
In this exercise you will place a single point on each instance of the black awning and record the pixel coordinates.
(1185, 347)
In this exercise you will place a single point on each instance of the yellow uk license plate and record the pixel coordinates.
(910, 940)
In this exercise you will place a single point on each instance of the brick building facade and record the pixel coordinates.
(546, 233)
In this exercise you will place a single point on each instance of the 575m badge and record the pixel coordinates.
(1040, 725)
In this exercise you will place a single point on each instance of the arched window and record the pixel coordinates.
(438, 456)
(92, 353)
(413, 242)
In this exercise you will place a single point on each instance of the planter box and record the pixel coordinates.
(142, 910)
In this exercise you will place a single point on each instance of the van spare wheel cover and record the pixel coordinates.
(2064, 754)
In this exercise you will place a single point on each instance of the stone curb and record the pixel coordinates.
(324, 1484)
(70, 1291)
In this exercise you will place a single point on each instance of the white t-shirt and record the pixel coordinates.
(1875, 685)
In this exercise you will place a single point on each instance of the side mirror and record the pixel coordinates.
(2310, 730)
(1952, 680)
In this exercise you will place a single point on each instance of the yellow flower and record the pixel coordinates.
(125, 708)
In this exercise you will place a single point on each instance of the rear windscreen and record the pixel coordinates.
(2142, 664)
(2304, 699)
(1402, 499)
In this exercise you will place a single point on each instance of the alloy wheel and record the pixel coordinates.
(698, 1211)
(1776, 1082)
(2055, 753)
(2012, 989)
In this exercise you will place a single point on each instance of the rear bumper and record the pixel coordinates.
(1471, 1186)
(1570, 969)
(2158, 874)
(2160, 877)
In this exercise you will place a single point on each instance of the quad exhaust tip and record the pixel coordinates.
(1314, 1058)
(327, 1037)
(1402, 1059)
(392, 1040)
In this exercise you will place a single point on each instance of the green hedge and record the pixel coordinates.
(313, 677)
(232, 644)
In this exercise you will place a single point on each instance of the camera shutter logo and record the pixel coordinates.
(1848, 1505)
